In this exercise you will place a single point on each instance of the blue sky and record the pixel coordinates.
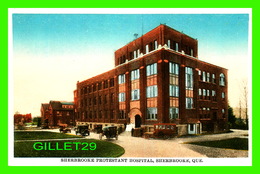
(52, 51)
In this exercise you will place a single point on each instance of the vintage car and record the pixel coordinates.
(82, 130)
(165, 130)
(64, 129)
(109, 132)
(98, 128)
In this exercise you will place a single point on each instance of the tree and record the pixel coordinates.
(244, 93)
(231, 117)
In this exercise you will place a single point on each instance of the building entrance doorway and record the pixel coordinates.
(135, 118)
(138, 121)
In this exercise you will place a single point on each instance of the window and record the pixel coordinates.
(208, 95)
(177, 46)
(121, 97)
(99, 85)
(189, 78)
(112, 98)
(151, 113)
(135, 74)
(111, 82)
(222, 79)
(223, 95)
(214, 95)
(146, 49)
(99, 100)
(200, 94)
(191, 127)
(203, 76)
(189, 103)
(135, 94)
(191, 52)
(208, 77)
(155, 45)
(174, 68)
(174, 113)
(174, 91)
(105, 99)
(135, 55)
(100, 114)
(213, 78)
(106, 84)
(151, 91)
(169, 43)
(151, 69)
(121, 114)
(121, 79)
(138, 53)
(95, 101)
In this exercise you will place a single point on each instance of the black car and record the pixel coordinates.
(109, 132)
(82, 130)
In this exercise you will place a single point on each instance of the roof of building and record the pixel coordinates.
(57, 105)
(45, 106)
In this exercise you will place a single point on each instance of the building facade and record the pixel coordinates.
(22, 118)
(157, 78)
(56, 113)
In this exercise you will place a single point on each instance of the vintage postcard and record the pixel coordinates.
(130, 87)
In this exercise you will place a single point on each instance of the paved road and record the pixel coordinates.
(140, 147)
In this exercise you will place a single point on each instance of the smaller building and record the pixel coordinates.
(56, 113)
(22, 118)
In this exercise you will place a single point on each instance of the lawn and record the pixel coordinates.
(232, 143)
(60, 148)
(36, 135)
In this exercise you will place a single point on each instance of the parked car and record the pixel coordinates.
(98, 128)
(165, 130)
(109, 132)
(64, 129)
(82, 130)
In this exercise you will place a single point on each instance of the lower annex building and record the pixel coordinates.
(157, 78)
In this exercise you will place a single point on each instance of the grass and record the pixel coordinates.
(96, 148)
(232, 143)
(37, 135)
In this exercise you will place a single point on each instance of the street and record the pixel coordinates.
(175, 147)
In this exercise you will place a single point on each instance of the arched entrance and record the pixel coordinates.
(135, 117)
(138, 121)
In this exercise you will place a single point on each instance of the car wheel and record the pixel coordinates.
(160, 134)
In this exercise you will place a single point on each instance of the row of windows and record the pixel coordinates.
(175, 46)
(205, 94)
(135, 74)
(137, 53)
(97, 86)
(98, 114)
(151, 113)
(151, 91)
(206, 77)
(97, 100)
(154, 46)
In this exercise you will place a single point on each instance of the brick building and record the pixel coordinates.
(157, 78)
(22, 118)
(56, 113)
